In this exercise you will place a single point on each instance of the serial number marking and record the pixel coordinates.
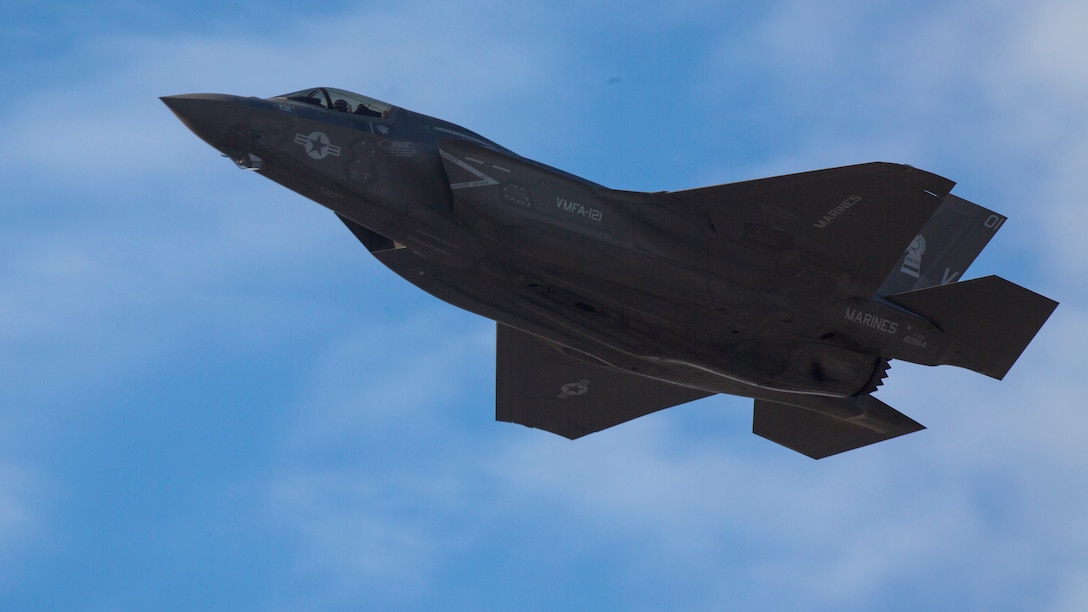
(917, 340)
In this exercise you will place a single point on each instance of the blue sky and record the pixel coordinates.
(211, 397)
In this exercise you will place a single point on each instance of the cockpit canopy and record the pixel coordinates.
(341, 101)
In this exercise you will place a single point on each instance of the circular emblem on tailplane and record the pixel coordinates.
(317, 145)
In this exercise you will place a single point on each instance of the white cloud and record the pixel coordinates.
(373, 465)
(110, 129)
(1048, 51)
(402, 371)
(22, 528)
(360, 539)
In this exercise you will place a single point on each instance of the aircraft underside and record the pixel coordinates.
(795, 291)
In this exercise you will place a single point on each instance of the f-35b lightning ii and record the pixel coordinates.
(795, 291)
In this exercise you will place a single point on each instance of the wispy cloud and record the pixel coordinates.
(24, 497)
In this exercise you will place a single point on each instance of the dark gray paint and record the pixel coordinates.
(795, 291)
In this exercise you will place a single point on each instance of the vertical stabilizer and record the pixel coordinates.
(944, 248)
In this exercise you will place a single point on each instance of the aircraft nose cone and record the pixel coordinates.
(215, 118)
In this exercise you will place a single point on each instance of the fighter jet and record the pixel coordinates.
(796, 291)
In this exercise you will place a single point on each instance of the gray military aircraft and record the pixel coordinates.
(794, 291)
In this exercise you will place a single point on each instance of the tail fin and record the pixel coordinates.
(947, 244)
(989, 321)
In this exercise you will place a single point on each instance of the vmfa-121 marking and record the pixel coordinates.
(795, 291)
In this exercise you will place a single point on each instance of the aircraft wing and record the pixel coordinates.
(539, 385)
(858, 219)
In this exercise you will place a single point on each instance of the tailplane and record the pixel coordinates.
(988, 321)
(827, 426)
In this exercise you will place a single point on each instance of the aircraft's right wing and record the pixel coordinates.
(538, 385)
(858, 219)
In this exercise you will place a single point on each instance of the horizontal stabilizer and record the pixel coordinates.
(540, 385)
(814, 433)
(989, 321)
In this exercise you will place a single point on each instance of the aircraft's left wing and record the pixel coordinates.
(539, 385)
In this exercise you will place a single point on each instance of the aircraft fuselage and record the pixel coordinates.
(755, 291)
